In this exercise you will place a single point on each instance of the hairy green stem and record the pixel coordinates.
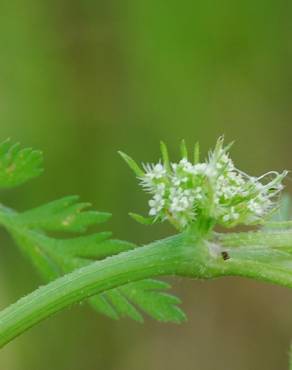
(259, 238)
(159, 258)
(259, 271)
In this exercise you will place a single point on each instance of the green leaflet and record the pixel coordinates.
(17, 165)
(62, 215)
(147, 295)
(55, 256)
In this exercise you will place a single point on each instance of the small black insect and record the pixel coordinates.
(225, 255)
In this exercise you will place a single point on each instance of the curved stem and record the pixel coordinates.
(160, 258)
(184, 255)
(264, 272)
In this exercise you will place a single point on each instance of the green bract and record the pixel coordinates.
(214, 190)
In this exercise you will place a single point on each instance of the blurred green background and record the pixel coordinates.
(83, 79)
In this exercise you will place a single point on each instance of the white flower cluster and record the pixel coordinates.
(215, 190)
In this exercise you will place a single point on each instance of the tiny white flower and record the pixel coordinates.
(232, 215)
(155, 171)
(211, 171)
(255, 207)
(156, 204)
(160, 189)
(176, 180)
(200, 169)
(186, 165)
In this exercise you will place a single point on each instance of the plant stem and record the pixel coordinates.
(265, 272)
(159, 258)
(259, 238)
(185, 254)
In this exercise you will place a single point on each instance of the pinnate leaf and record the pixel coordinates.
(55, 256)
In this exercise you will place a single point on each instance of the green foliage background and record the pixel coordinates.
(83, 79)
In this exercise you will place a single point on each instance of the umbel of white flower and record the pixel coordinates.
(215, 190)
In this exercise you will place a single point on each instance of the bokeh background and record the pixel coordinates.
(83, 79)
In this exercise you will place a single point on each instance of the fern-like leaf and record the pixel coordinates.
(55, 256)
(18, 165)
